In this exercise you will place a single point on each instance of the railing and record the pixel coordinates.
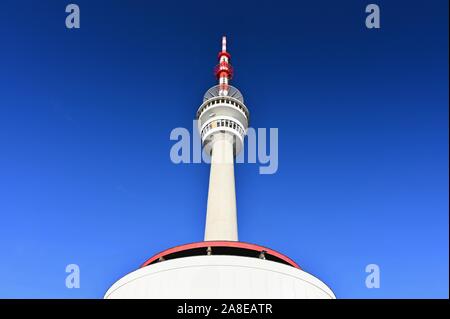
(229, 248)
(233, 102)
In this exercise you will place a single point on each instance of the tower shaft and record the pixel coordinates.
(221, 219)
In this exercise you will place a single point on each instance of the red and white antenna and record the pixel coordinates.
(224, 70)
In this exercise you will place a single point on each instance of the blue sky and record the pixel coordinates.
(85, 118)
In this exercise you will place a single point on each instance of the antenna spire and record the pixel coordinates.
(224, 44)
(224, 70)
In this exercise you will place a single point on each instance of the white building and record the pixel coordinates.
(220, 266)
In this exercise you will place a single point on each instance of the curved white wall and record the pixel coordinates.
(215, 277)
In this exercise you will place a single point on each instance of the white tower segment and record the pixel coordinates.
(223, 122)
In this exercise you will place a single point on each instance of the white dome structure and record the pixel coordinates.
(219, 270)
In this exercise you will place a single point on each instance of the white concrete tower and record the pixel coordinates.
(220, 267)
(223, 121)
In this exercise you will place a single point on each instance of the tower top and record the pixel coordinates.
(224, 70)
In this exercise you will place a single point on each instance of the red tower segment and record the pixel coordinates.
(224, 70)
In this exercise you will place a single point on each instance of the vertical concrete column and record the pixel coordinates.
(221, 218)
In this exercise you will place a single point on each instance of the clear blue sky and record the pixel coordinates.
(85, 118)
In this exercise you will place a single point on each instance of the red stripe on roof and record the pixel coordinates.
(235, 244)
